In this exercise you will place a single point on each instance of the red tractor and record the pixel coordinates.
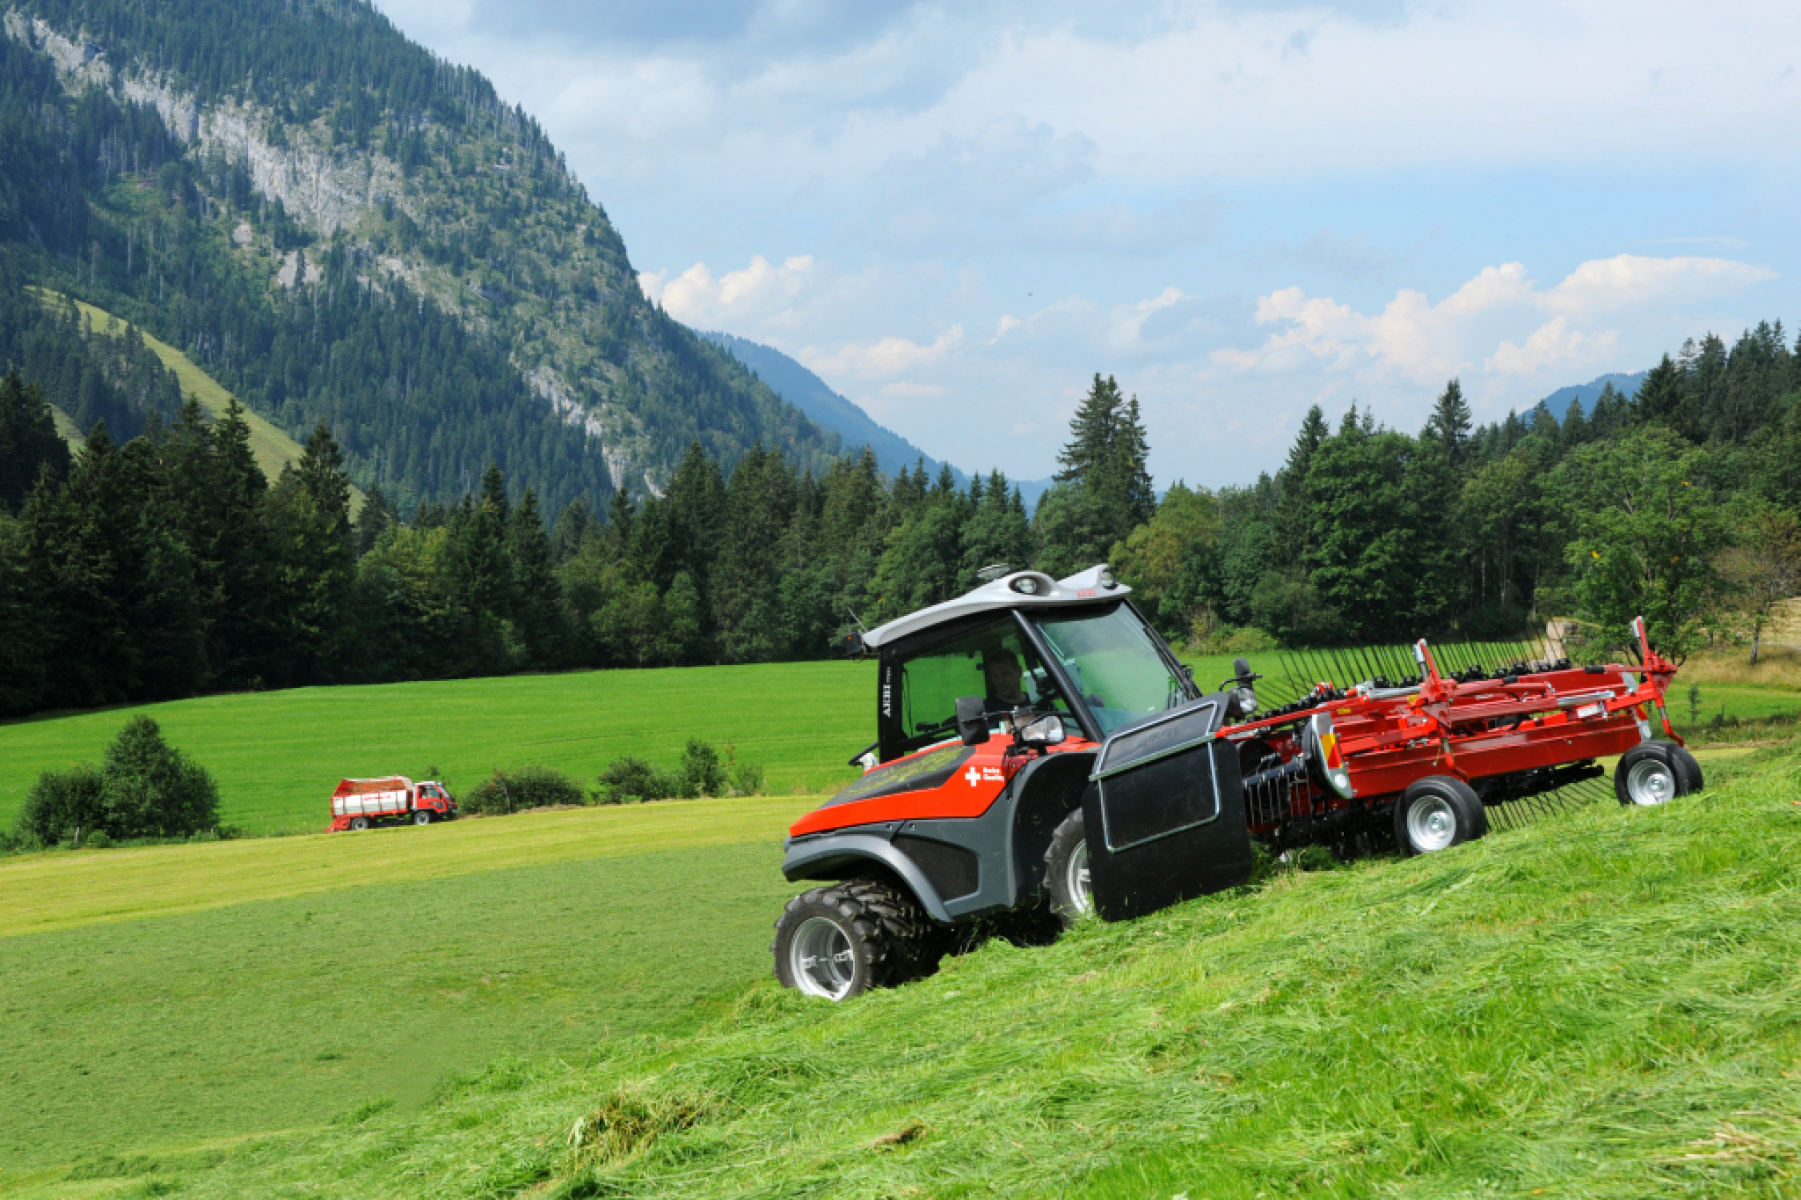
(1039, 745)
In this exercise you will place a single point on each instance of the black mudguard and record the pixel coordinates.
(1165, 814)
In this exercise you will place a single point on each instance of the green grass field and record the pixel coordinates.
(278, 755)
(174, 996)
(1602, 1004)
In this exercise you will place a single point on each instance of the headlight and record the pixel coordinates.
(1107, 578)
(1045, 731)
(1025, 585)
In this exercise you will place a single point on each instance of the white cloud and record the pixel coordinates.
(1552, 345)
(1494, 323)
(696, 298)
(885, 356)
(1604, 285)
(904, 388)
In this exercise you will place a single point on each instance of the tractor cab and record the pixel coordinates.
(1026, 647)
(1038, 745)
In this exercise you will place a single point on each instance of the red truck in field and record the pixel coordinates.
(360, 803)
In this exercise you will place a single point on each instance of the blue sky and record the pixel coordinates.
(958, 213)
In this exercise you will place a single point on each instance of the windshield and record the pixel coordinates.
(1115, 662)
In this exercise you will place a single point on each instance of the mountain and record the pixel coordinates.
(1559, 401)
(338, 226)
(831, 411)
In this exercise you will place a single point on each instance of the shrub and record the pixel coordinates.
(150, 789)
(747, 779)
(59, 803)
(1228, 639)
(526, 787)
(631, 780)
(701, 773)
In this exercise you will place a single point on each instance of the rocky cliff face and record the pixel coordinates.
(467, 226)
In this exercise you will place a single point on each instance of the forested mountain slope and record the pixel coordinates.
(340, 227)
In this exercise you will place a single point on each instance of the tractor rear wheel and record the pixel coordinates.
(1436, 813)
(1066, 877)
(839, 941)
(1653, 773)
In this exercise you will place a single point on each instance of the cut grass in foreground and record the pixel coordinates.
(201, 993)
(1601, 1004)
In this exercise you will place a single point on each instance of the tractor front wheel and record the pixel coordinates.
(422, 816)
(1653, 773)
(839, 941)
(1436, 813)
(1066, 876)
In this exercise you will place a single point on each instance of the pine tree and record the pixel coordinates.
(1449, 425)
(29, 443)
(314, 563)
(537, 601)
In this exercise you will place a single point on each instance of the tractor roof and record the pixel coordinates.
(1021, 589)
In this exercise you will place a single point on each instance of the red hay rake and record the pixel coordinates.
(1527, 737)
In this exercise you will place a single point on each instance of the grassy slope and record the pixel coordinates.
(1604, 1004)
(273, 448)
(64, 890)
(203, 992)
(277, 755)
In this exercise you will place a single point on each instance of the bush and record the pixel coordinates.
(631, 780)
(151, 789)
(527, 787)
(144, 789)
(701, 774)
(1228, 639)
(747, 779)
(59, 803)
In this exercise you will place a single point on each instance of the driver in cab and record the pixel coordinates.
(1005, 681)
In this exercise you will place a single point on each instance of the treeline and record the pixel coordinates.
(170, 565)
(1679, 502)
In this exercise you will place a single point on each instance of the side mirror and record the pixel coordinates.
(972, 720)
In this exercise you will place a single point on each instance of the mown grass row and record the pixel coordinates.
(233, 1019)
(1603, 1004)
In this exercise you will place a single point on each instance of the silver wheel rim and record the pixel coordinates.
(1431, 825)
(1075, 880)
(422, 818)
(360, 824)
(1650, 782)
(821, 960)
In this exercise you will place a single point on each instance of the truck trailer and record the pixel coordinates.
(361, 803)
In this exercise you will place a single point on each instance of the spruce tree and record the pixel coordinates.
(29, 443)
(1449, 425)
(537, 602)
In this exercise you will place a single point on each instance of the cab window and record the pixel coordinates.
(994, 662)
